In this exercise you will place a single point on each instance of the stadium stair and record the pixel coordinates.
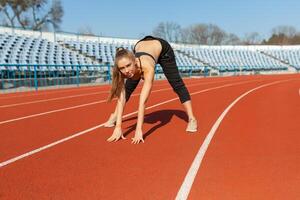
(195, 59)
(73, 49)
(286, 63)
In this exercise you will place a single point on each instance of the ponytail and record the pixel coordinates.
(117, 84)
(117, 77)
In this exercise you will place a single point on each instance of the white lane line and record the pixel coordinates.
(46, 92)
(80, 95)
(53, 99)
(62, 90)
(50, 112)
(192, 172)
(2, 164)
(63, 109)
(74, 107)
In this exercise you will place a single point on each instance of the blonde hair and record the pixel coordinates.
(117, 77)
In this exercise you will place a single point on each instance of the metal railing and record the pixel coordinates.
(23, 77)
(34, 77)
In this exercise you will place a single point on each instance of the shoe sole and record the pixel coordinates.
(192, 131)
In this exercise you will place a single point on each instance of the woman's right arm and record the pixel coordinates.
(117, 134)
(120, 108)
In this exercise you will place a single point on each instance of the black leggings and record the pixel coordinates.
(170, 69)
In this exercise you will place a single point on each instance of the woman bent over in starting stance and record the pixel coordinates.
(137, 65)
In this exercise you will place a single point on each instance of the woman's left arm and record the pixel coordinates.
(147, 86)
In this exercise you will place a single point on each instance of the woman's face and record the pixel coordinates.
(127, 67)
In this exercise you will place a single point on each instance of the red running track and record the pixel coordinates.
(254, 153)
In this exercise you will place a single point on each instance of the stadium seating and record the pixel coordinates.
(27, 50)
(287, 55)
(60, 55)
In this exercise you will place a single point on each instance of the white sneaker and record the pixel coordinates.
(192, 126)
(111, 122)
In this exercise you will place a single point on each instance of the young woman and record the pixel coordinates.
(137, 65)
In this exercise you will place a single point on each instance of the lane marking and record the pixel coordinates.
(72, 107)
(4, 163)
(79, 95)
(51, 99)
(59, 90)
(50, 112)
(54, 91)
(192, 172)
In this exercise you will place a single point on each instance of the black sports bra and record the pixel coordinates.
(139, 54)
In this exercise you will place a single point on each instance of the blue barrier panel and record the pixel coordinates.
(35, 79)
(24, 77)
(109, 72)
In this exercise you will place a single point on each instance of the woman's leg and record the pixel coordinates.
(184, 96)
(130, 86)
(188, 108)
(192, 124)
(171, 72)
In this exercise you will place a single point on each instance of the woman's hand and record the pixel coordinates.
(138, 137)
(117, 134)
